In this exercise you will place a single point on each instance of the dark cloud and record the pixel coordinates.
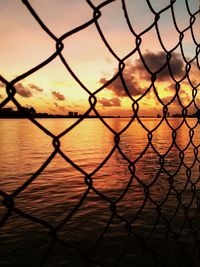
(155, 61)
(23, 91)
(35, 88)
(113, 102)
(136, 72)
(58, 96)
(56, 104)
(131, 81)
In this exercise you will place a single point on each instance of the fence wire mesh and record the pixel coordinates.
(140, 249)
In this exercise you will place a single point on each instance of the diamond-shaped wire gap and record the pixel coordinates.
(146, 38)
(113, 177)
(180, 11)
(166, 94)
(192, 74)
(132, 203)
(89, 60)
(160, 135)
(108, 250)
(148, 167)
(192, 124)
(21, 26)
(57, 94)
(22, 239)
(54, 193)
(183, 137)
(186, 97)
(188, 197)
(159, 191)
(88, 143)
(133, 141)
(189, 156)
(180, 181)
(85, 228)
(135, 13)
(168, 33)
(150, 111)
(24, 148)
(172, 161)
(146, 220)
(178, 223)
(188, 45)
(169, 207)
(115, 29)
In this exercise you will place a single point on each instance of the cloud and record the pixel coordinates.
(1, 96)
(155, 61)
(135, 72)
(113, 102)
(131, 81)
(23, 91)
(58, 96)
(27, 91)
(35, 87)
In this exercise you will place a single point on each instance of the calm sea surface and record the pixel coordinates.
(160, 213)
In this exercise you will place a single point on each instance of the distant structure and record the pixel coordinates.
(72, 114)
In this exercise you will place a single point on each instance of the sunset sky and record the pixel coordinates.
(24, 44)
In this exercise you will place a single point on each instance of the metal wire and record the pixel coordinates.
(188, 249)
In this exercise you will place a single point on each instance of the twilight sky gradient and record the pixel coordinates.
(24, 45)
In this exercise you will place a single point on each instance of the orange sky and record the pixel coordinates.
(52, 89)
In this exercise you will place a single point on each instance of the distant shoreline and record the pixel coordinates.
(93, 117)
(24, 113)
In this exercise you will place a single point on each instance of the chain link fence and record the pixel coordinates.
(177, 245)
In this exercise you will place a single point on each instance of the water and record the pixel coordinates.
(58, 189)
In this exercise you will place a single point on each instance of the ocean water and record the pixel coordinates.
(154, 184)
